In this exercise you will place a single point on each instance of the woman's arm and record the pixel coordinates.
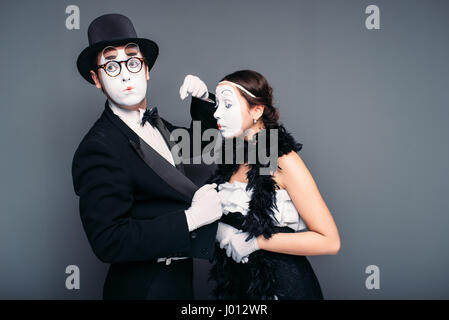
(323, 237)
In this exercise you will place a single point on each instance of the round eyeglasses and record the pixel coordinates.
(114, 67)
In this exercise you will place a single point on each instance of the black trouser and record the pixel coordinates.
(173, 281)
(150, 280)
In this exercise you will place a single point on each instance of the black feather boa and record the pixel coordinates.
(255, 279)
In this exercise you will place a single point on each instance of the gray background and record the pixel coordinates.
(370, 108)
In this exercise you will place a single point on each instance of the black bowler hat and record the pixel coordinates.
(112, 30)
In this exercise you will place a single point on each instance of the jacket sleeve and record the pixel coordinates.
(202, 112)
(105, 203)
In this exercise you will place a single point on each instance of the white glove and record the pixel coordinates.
(194, 86)
(240, 249)
(205, 207)
(224, 233)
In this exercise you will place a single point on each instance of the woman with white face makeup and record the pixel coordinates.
(270, 223)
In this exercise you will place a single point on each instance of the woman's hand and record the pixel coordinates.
(224, 233)
(239, 249)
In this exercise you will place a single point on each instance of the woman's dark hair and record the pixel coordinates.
(256, 83)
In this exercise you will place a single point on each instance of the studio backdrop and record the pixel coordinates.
(362, 84)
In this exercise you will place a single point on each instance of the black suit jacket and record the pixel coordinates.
(132, 200)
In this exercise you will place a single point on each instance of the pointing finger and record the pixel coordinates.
(224, 242)
(228, 251)
(183, 90)
(184, 87)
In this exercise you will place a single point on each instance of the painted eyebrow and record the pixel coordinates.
(132, 52)
(112, 56)
(225, 91)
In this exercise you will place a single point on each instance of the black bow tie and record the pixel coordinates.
(151, 116)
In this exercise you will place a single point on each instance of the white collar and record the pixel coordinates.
(130, 116)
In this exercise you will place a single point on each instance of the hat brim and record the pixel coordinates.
(149, 49)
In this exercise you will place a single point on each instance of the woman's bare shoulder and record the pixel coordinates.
(289, 165)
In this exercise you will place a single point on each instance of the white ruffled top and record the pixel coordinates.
(235, 198)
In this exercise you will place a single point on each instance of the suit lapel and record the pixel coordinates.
(166, 135)
(171, 175)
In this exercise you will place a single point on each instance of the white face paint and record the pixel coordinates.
(229, 111)
(127, 88)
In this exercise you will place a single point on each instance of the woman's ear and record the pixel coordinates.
(257, 111)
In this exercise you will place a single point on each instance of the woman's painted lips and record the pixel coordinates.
(128, 89)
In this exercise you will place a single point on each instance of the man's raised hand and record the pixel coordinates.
(194, 86)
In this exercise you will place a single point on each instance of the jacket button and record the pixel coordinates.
(194, 235)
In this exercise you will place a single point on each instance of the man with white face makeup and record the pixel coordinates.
(140, 212)
(126, 87)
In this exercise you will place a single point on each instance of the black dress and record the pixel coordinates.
(267, 275)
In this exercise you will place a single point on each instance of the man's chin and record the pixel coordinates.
(128, 102)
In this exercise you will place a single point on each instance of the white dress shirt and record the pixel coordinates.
(148, 133)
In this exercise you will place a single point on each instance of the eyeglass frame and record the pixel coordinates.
(103, 66)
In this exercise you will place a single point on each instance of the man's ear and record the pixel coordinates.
(95, 78)
(147, 73)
